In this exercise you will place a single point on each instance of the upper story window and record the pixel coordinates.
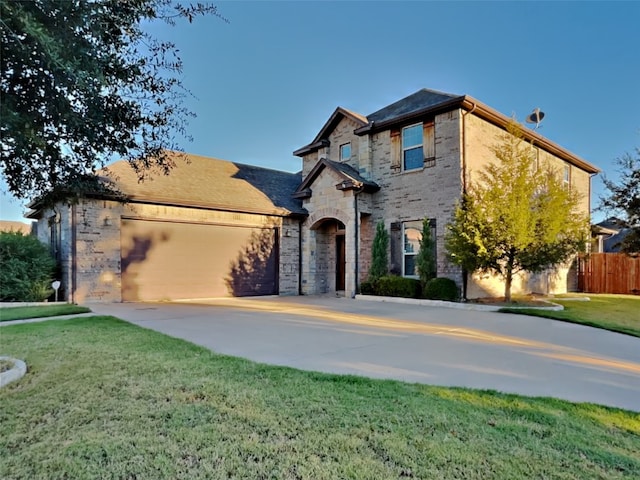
(412, 153)
(345, 152)
(566, 176)
(413, 147)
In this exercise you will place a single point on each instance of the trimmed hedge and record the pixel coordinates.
(441, 289)
(392, 286)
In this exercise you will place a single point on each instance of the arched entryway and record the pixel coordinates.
(329, 274)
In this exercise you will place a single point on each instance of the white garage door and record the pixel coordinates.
(171, 260)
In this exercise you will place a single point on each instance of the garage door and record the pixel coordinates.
(172, 261)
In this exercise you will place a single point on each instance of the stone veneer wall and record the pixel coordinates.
(327, 203)
(480, 136)
(430, 192)
(98, 250)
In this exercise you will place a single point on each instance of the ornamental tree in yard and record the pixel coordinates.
(426, 258)
(623, 197)
(518, 216)
(81, 83)
(379, 258)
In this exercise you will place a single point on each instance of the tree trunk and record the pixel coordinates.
(507, 281)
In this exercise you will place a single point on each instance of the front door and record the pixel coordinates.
(340, 262)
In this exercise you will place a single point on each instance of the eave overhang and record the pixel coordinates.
(471, 105)
(321, 141)
(350, 179)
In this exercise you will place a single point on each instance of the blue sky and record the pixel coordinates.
(265, 83)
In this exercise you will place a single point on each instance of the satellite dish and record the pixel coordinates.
(535, 117)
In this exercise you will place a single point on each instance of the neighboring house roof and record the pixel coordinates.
(427, 102)
(212, 183)
(613, 231)
(351, 179)
(612, 223)
(15, 226)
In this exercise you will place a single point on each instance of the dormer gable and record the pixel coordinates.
(350, 179)
(322, 138)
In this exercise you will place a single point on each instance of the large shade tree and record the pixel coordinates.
(623, 198)
(82, 82)
(516, 216)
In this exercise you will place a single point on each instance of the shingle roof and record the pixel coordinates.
(415, 102)
(213, 183)
(351, 177)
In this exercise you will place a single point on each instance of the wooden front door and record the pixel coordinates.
(340, 262)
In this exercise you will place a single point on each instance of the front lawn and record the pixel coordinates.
(20, 313)
(106, 399)
(618, 313)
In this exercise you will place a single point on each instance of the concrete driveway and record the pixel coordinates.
(439, 346)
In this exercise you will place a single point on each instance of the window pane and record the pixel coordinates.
(412, 136)
(413, 158)
(345, 152)
(412, 237)
(410, 265)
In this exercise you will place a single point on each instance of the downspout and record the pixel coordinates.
(465, 274)
(74, 266)
(300, 257)
(356, 235)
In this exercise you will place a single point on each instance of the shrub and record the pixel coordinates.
(426, 258)
(441, 289)
(26, 268)
(368, 288)
(379, 262)
(394, 286)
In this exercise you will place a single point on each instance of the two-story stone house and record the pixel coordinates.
(215, 228)
(408, 161)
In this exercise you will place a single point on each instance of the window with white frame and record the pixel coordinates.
(345, 152)
(566, 176)
(412, 235)
(412, 153)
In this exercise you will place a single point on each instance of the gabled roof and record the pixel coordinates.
(204, 182)
(351, 179)
(424, 103)
(335, 118)
(416, 102)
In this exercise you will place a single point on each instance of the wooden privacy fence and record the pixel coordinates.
(609, 273)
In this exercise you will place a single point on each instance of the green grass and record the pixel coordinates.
(106, 399)
(618, 313)
(20, 313)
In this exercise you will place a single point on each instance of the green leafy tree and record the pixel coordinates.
(517, 217)
(379, 256)
(426, 258)
(26, 268)
(624, 199)
(82, 83)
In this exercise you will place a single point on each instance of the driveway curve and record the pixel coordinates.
(439, 346)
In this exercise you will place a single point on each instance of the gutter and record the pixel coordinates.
(300, 256)
(356, 235)
(465, 273)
